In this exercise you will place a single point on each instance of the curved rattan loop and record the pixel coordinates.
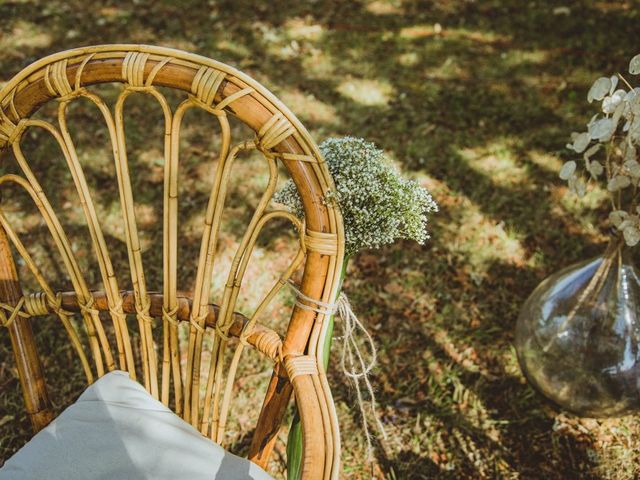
(219, 90)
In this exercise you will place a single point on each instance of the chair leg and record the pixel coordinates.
(271, 417)
(34, 389)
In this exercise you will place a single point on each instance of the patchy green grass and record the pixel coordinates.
(473, 99)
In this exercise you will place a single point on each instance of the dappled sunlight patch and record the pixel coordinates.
(112, 223)
(408, 59)
(153, 161)
(180, 44)
(370, 93)
(309, 108)
(385, 7)
(549, 162)
(24, 35)
(610, 7)
(318, 63)
(416, 32)
(449, 69)
(142, 34)
(583, 210)
(439, 189)
(146, 215)
(515, 57)
(481, 240)
(113, 13)
(277, 42)
(477, 36)
(498, 161)
(234, 47)
(302, 29)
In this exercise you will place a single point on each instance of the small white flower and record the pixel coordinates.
(378, 206)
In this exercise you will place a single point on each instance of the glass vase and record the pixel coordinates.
(578, 336)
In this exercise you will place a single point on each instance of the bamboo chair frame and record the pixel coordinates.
(222, 91)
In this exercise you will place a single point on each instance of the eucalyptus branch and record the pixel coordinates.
(616, 128)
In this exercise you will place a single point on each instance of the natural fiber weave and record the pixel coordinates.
(221, 91)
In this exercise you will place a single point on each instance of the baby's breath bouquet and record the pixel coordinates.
(378, 207)
(609, 149)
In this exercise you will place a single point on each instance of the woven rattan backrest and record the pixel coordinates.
(221, 91)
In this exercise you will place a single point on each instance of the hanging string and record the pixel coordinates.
(356, 366)
(356, 363)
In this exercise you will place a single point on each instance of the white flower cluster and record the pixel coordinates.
(377, 204)
(609, 151)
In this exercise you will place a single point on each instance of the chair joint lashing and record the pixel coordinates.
(300, 365)
(321, 242)
(14, 311)
(10, 131)
(312, 304)
(196, 322)
(274, 131)
(221, 332)
(170, 315)
(88, 307)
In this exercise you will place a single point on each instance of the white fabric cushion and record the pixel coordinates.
(116, 430)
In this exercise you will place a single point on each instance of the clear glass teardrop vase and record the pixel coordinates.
(578, 336)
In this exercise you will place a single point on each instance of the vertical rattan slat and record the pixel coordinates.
(232, 286)
(97, 237)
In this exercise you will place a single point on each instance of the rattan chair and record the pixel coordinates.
(279, 136)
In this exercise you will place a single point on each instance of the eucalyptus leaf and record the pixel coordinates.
(591, 151)
(580, 187)
(567, 170)
(630, 153)
(618, 183)
(599, 89)
(611, 102)
(631, 236)
(617, 217)
(614, 84)
(581, 142)
(633, 167)
(595, 169)
(602, 129)
(634, 65)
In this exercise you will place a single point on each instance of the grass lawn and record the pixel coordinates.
(473, 99)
